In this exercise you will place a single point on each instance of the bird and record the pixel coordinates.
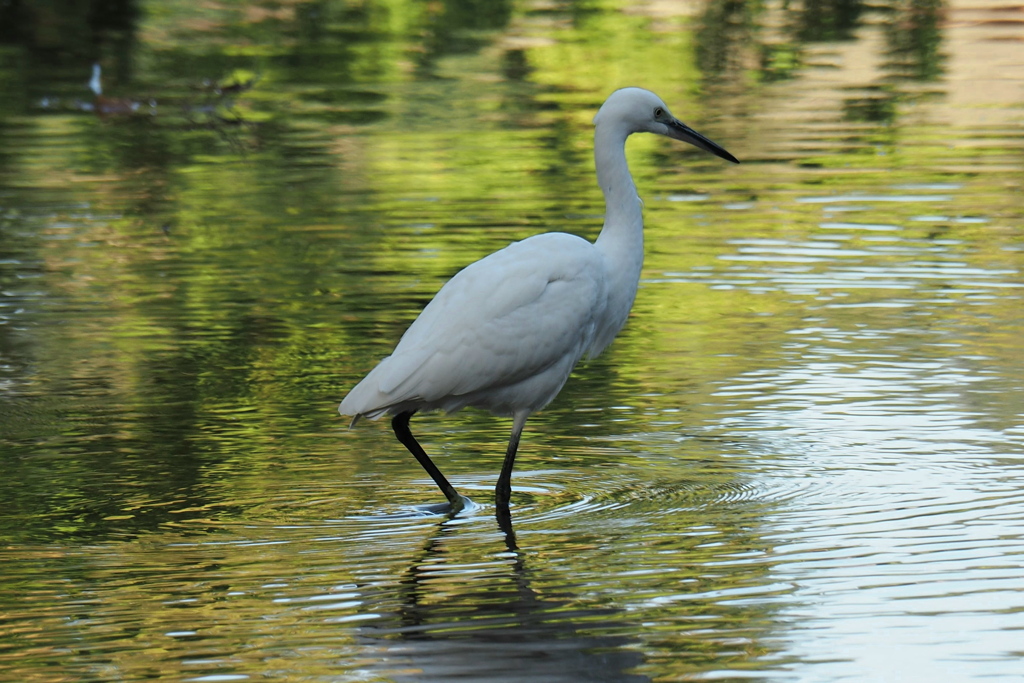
(504, 333)
(109, 106)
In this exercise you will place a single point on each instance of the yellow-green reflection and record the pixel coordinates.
(808, 434)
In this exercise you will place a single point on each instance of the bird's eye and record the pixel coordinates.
(658, 112)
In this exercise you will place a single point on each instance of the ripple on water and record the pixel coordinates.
(869, 263)
(873, 198)
(811, 268)
(908, 522)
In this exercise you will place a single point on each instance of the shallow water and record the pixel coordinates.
(800, 461)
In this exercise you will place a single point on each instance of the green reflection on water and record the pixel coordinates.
(186, 293)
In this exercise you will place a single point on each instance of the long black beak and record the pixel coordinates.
(680, 131)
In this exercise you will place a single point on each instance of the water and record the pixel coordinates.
(800, 461)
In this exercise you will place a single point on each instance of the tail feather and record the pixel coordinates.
(373, 397)
(365, 400)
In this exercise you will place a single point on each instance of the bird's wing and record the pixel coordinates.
(499, 321)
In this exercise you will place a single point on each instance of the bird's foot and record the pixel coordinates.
(451, 507)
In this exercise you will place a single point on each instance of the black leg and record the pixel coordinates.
(503, 490)
(400, 424)
(504, 517)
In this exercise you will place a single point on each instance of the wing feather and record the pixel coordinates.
(497, 322)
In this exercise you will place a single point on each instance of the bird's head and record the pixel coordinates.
(635, 110)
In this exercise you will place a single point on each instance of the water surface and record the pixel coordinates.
(800, 461)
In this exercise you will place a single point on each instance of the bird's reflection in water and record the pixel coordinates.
(493, 628)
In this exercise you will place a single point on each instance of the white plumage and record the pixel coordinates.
(502, 334)
(505, 332)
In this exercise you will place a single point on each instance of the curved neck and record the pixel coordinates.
(621, 242)
(622, 237)
(623, 214)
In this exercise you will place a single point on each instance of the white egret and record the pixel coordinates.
(505, 332)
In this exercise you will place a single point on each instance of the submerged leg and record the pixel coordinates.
(503, 490)
(400, 424)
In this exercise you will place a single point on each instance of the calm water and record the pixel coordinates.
(801, 461)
